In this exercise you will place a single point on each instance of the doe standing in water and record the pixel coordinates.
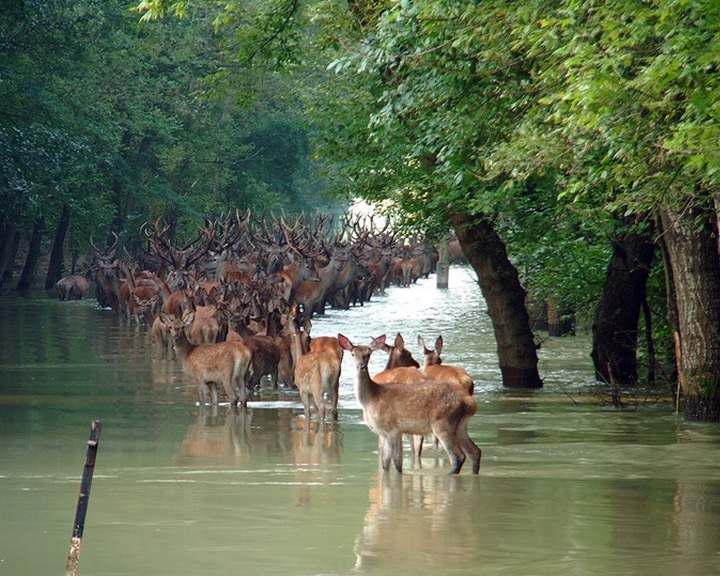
(226, 363)
(317, 371)
(397, 408)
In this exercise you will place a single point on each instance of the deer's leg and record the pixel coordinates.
(201, 391)
(385, 453)
(448, 439)
(396, 450)
(241, 383)
(318, 401)
(469, 447)
(214, 396)
(416, 443)
(333, 401)
(305, 399)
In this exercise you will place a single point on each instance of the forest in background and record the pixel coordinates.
(572, 144)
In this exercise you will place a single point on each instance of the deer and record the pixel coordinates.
(311, 293)
(325, 344)
(72, 287)
(398, 355)
(402, 367)
(266, 358)
(396, 408)
(434, 369)
(106, 274)
(139, 295)
(316, 374)
(208, 365)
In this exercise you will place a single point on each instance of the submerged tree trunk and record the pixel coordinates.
(57, 256)
(7, 253)
(505, 297)
(691, 240)
(33, 256)
(560, 322)
(615, 328)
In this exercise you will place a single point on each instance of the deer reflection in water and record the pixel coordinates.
(234, 436)
(224, 438)
(316, 451)
(418, 519)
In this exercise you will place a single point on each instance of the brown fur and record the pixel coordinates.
(317, 375)
(74, 287)
(208, 365)
(265, 359)
(434, 369)
(398, 408)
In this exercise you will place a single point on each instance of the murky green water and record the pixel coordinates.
(564, 488)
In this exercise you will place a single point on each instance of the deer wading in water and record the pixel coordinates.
(396, 408)
(226, 363)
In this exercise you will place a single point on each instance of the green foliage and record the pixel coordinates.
(125, 121)
(552, 119)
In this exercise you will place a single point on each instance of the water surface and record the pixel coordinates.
(567, 486)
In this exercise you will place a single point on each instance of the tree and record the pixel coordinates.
(632, 108)
(691, 239)
(615, 326)
(424, 109)
(505, 298)
(118, 122)
(57, 255)
(615, 99)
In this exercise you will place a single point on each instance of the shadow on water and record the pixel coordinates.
(565, 486)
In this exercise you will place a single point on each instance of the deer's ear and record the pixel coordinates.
(439, 345)
(345, 344)
(377, 343)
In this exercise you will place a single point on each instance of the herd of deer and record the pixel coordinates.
(236, 304)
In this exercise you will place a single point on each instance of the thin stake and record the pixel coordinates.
(76, 540)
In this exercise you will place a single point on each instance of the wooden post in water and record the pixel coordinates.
(76, 540)
(443, 264)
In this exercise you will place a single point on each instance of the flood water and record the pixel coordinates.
(566, 485)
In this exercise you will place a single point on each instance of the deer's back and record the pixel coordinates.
(404, 374)
(326, 344)
(451, 374)
(413, 408)
(316, 366)
(213, 359)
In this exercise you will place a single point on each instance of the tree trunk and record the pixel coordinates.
(691, 241)
(33, 256)
(505, 297)
(9, 245)
(615, 328)
(57, 256)
(559, 322)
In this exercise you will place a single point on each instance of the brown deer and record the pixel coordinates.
(398, 355)
(325, 344)
(311, 293)
(144, 304)
(396, 408)
(205, 327)
(402, 367)
(73, 287)
(210, 364)
(406, 375)
(316, 374)
(265, 359)
(434, 369)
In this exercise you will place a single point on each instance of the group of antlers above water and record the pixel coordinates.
(236, 304)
